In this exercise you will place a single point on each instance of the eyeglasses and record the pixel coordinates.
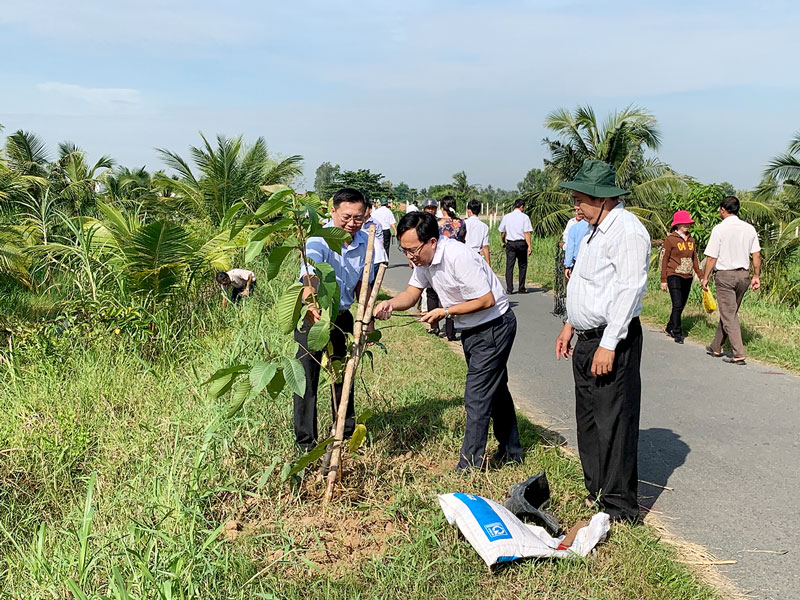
(413, 252)
(353, 218)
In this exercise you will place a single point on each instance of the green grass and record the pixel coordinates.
(115, 484)
(771, 331)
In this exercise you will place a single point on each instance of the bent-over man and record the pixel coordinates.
(241, 282)
(604, 300)
(348, 213)
(470, 293)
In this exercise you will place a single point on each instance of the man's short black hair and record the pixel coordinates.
(474, 206)
(222, 278)
(425, 224)
(519, 203)
(730, 204)
(351, 195)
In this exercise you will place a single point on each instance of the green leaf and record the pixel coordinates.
(358, 437)
(276, 258)
(267, 474)
(319, 334)
(229, 214)
(240, 393)
(309, 457)
(275, 386)
(288, 307)
(295, 375)
(365, 416)
(222, 380)
(334, 236)
(285, 470)
(261, 374)
(374, 336)
(328, 289)
(239, 224)
(253, 250)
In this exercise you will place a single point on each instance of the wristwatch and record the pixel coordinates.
(446, 313)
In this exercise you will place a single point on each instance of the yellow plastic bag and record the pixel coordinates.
(709, 303)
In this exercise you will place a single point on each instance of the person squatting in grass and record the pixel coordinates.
(471, 293)
(604, 300)
(241, 282)
(348, 213)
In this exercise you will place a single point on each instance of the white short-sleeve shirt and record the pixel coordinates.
(385, 217)
(515, 225)
(458, 274)
(731, 243)
(477, 234)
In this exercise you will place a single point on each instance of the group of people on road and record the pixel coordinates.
(606, 264)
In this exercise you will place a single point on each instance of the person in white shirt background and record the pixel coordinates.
(604, 300)
(515, 234)
(471, 293)
(385, 217)
(411, 207)
(240, 281)
(477, 231)
(728, 252)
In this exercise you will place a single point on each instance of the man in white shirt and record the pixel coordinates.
(477, 231)
(471, 293)
(385, 217)
(240, 281)
(604, 300)
(515, 234)
(730, 246)
(411, 207)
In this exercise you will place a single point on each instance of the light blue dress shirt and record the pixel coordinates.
(574, 237)
(348, 266)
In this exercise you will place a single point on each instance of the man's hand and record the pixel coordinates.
(663, 286)
(755, 282)
(313, 314)
(704, 283)
(432, 317)
(245, 292)
(384, 310)
(567, 273)
(530, 249)
(603, 362)
(563, 345)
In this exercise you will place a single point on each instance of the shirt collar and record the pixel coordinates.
(439, 254)
(612, 216)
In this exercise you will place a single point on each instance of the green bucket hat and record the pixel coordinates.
(384, 201)
(597, 179)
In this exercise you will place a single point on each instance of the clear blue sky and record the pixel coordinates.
(415, 90)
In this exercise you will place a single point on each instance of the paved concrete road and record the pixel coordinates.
(725, 437)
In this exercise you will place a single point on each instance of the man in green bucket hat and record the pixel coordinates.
(604, 300)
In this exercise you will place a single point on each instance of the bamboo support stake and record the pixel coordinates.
(352, 363)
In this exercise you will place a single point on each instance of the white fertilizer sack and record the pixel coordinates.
(498, 536)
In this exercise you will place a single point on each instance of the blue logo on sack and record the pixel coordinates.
(486, 516)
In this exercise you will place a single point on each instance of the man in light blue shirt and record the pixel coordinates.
(574, 237)
(348, 213)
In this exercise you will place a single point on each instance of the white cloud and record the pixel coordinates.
(95, 96)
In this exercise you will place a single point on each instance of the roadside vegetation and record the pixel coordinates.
(122, 475)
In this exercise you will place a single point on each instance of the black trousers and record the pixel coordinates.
(607, 411)
(679, 288)
(387, 240)
(516, 251)
(449, 324)
(236, 293)
(487, 348)
(305, 407)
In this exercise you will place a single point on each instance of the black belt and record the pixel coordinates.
(590, 334)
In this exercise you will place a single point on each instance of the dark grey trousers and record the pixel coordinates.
(487, 348)
(305, 406)
(607, 412)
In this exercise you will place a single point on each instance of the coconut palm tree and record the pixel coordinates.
(622, 140)
(75, 181)
(229, 173)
